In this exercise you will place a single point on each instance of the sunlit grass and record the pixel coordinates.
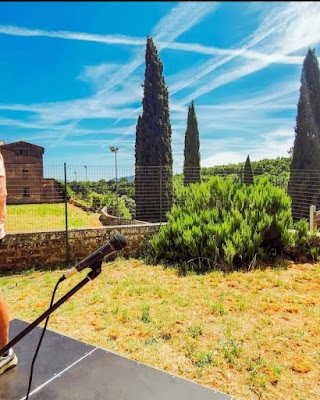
(253, 335)
(45, 217)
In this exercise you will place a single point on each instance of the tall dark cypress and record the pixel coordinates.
(153, 168)
(247, 172)
(304, 183)
(191, 166)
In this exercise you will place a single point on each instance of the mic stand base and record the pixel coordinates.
(96, 270)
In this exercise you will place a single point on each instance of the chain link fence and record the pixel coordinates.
(64, 197)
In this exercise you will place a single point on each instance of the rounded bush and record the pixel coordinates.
(226, 222)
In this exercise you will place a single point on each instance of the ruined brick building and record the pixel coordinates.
(24, 169)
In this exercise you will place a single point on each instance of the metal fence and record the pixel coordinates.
(42, 198)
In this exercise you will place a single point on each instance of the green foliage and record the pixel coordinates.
(130, 205)
(302, 232)
(195, 331)
(104, 194)
(124, 212)
(231, 350)
(145, 314)
(276, 170)
(109, 200)
(96, 200)
(304, 176)
(247, 172)
(204, 358)
(153, 154)
(177, 182)
(226, 222)
(305, 240)
(191, 166)
(83, 189)
(67, 191)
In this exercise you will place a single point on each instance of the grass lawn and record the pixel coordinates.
(44, 217)
(254, 335)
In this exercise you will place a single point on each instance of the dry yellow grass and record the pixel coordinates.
(253, 335)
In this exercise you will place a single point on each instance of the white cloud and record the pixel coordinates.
(273, 36)
(110, 100)
(107, 39)
(137, 42)
(181, 19)
(167, 30)
(223, 158)
(285, 30)
(97, 75)
(271, 144)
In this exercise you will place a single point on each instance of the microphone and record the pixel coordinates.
(116, 243)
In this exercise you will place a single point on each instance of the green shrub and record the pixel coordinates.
(96, 200)
(109, 200)
(67, 191)
(304, 241)
(124, 212)
(130, 204)
(227, 222)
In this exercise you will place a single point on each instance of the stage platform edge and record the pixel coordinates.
(68, 369)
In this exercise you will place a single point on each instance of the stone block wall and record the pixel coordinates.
(43, 250)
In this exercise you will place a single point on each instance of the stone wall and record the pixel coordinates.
(52, 191)
(108, 219)
(43, 250)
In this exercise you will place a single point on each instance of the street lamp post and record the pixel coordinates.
(75, 179)
(86, 173)
(115, 151)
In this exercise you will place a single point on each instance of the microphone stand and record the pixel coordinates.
(95, 271)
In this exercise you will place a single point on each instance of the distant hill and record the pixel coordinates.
(130, 178)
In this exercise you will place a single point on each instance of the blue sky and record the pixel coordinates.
(72, 73)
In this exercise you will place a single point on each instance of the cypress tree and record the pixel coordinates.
(153, 167)
(247, 172)
(191, 167)
(304, 182)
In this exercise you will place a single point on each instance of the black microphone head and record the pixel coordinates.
(118, 242)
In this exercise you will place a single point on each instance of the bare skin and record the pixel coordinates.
(4, 315)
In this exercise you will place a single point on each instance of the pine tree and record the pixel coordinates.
(304, 183)
(247, 172)
(153, 175)
(191, 167)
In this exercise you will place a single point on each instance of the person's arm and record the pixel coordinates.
(3, 198)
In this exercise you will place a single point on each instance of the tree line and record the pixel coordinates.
(154, 136)
(112, 194)
(153, 152)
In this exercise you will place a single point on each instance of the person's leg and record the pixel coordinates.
(4, 322)
(9, 359)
